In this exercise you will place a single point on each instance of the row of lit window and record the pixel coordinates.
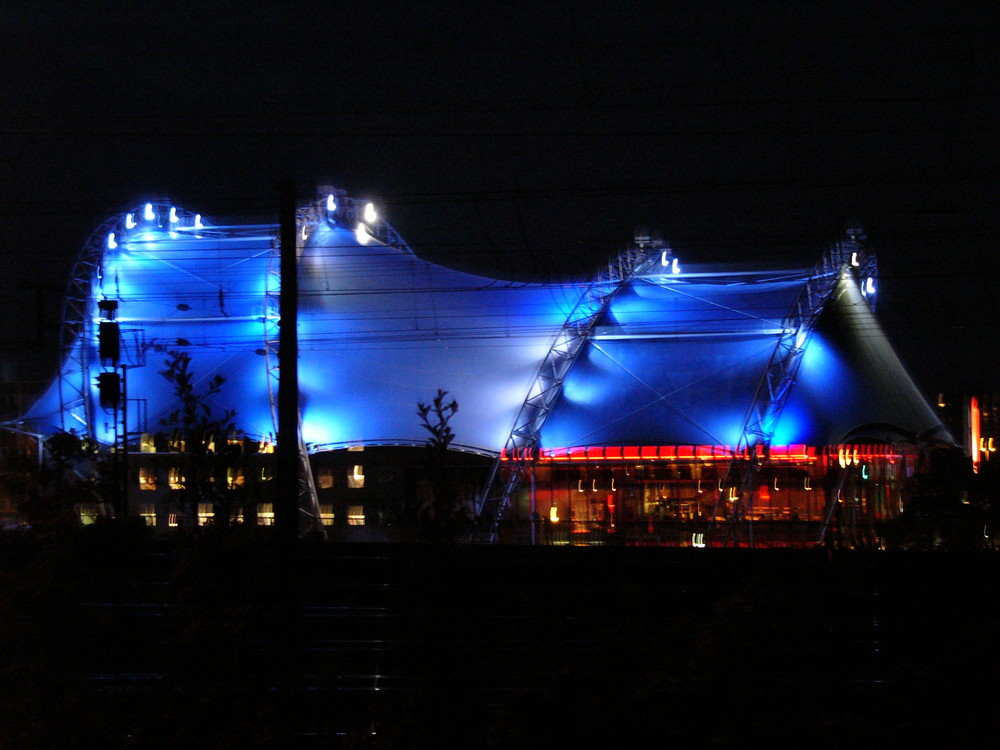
(176, 479)
(89, 513)
(355, 477)
(147, 444)
(235, 477)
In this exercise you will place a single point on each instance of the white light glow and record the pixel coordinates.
(870, 285)
(173, 215)
(664, 260)
(111, 241)
(149, 214)
(675, 266)
(197, 222)
(331, 204)
(370, 216)
(854, 260)
(361, 232)
(130, 221)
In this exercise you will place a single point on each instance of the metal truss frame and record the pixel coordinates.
(848, 257)
(77, 338)
(77, 333)
(510, 467)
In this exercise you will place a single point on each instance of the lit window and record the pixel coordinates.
(326, 515)
(324, 477)
(234, 477)
(89, 513)
(147, 511)
(356, 477)
(172, 520)
(205, 513)
(176, 478)
(265, 514)
(147, 444)
(356, 515)
(147, 478)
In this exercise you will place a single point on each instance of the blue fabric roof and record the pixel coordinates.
(674, 359)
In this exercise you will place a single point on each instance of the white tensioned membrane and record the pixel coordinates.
(674, 360)
(379, 330)
(677, 358)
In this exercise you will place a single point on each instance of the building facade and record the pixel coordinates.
(658, 402)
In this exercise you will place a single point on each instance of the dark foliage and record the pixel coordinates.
(202, 432)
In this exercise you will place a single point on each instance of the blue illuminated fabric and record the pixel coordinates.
(852, 387)
(677, 360)
(674, 359)
(381, 330)
(177, 291)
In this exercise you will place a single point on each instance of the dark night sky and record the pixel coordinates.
(513, 137)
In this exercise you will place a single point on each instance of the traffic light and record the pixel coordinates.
(109, 343)
(109, 387)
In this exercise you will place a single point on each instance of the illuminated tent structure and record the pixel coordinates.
(732, 359)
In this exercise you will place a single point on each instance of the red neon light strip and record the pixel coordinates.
(778, 453)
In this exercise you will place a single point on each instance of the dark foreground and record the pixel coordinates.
(111, 641)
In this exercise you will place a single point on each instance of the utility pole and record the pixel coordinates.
(121, 512)
(287, 499)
